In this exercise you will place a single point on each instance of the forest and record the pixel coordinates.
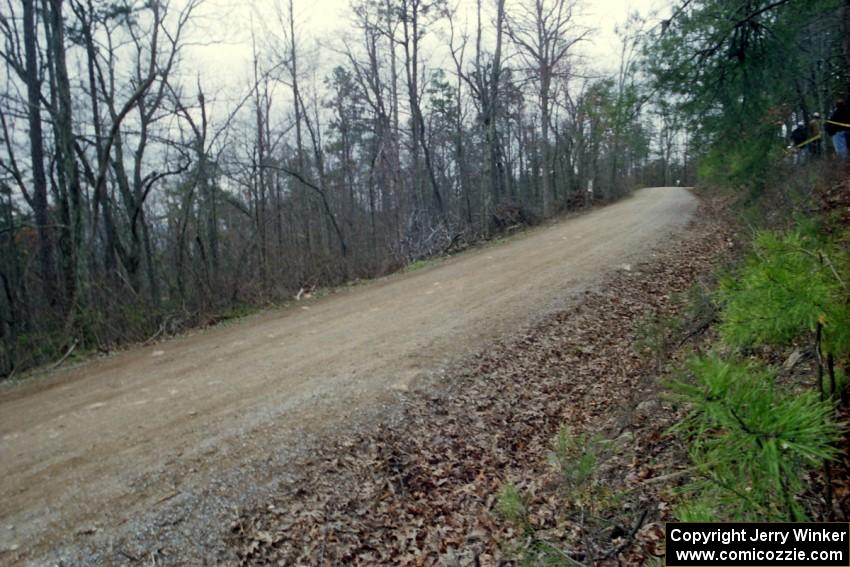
(137, 204)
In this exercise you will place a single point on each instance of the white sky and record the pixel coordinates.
(227, 64)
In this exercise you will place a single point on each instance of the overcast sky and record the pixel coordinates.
(227, 63)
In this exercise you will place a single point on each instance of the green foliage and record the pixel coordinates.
(733, 69)
(696, 510)
(788, 285)
(510, 505)
(40, 347)
(235, 311)
(653, 335)
(842, 381)
(658, 333)
(751, 442)
(742, 161)
(576, 457)
(540, 553)
(419, 264)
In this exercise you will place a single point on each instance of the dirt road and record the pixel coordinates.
(87, 451)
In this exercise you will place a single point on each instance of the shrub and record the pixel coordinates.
(791, 283)
(751, 443)
(510, 505)
(577, 458)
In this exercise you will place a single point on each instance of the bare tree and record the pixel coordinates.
(411, 14)
(545, 32)
(135, 199)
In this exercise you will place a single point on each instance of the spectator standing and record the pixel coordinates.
(838, 128)
(814, 146)
(799, 135)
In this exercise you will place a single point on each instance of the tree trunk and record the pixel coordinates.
(67, 167)
(36, 138)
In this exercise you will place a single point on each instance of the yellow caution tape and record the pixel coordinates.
(807, 142)
(815, 138)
